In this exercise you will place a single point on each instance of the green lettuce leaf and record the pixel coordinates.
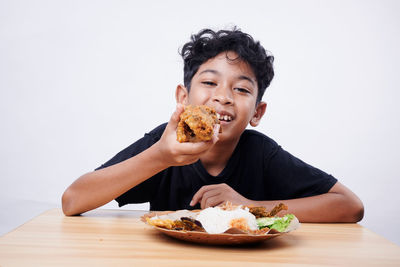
(278, 223)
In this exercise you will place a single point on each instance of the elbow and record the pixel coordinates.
(354, 212)
(349, 207)
(67, 203)
(358, 211)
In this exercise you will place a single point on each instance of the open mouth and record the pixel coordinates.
(226, 118)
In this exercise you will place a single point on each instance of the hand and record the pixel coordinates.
(174, 153)
(217, 194)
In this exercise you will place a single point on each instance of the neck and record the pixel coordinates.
(215, 160)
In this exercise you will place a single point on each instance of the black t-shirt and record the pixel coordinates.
(259, 169)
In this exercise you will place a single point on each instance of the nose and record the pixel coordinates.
(223, 95)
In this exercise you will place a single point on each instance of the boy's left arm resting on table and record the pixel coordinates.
(340, 204)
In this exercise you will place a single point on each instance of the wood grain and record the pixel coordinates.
(119, 238)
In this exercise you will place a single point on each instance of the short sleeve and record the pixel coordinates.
(145, 191)
(289, 177)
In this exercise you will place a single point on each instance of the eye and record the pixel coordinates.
(243, 90)
(209, 83)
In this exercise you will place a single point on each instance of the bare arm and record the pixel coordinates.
(338, 205)
(97, 188)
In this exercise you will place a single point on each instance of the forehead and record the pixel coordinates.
(228, 63)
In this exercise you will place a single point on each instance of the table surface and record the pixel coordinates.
(119, 238)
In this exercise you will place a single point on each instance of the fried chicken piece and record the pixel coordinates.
(260, 212)
(167, 223)
(191, 224)
(196, 124)
(277, 209)
(185, 223)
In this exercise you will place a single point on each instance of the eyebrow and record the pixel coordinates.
(241, 77)
(244, 77)
(209, 70)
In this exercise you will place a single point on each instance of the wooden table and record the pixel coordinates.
(119, 238)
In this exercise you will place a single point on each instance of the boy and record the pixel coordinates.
(229, 71)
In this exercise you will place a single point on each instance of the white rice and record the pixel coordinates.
(217, 221)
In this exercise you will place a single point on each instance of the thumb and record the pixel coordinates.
(215, 133)
(173, 121)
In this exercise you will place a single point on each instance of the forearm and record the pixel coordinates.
(338, 205)
(97, 188)
(322, 208)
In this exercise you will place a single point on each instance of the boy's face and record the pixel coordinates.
(230, 87)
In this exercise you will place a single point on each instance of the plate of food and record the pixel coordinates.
(223, 225)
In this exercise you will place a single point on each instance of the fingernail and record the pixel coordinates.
(216, 129)
(191, 203)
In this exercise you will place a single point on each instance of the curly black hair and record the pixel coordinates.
(208, 44)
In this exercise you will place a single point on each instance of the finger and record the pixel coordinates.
(215, 133)
(199, 194)
(211, 194)
(195, 148)
(223, 203)
(197, 197)
(213, 201)
(174, 120)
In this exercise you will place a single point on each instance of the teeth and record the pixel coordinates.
(224, 117)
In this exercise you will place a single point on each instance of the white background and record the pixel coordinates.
(81, 80)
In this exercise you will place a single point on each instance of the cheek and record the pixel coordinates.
(192, 98)
(248, 107)
(197, 96)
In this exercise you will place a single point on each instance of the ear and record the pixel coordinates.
(181, 94)
(258, 114)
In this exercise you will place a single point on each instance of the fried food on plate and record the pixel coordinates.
(163, 223)
(260, 212)
(196, 124)
(228, 218)
(180, 220)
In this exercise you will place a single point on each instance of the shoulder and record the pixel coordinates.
(252, 137)
(257, 145)
(138, 146)
(156, 133)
